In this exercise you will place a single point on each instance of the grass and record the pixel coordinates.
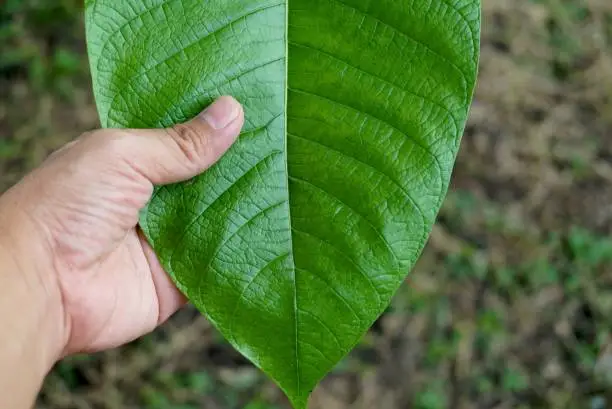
(510, 304)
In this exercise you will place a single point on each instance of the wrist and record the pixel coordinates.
(36, 302)
(31, 311)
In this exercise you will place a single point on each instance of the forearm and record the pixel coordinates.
(30, 318)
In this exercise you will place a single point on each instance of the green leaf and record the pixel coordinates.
(295, 242)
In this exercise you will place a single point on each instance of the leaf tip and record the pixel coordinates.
(299, 402)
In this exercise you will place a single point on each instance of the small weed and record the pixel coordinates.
(514, 380)
(433, 397)
(588, 250)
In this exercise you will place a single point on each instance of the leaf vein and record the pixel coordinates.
(345, 256)
(361, 216)
(406, 35)
(247, 286)
(203, 212)
(333, 290)
(325, 326)
(407, 195)
(406, 90)
(417, 142)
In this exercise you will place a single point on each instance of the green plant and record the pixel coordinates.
(294, 243)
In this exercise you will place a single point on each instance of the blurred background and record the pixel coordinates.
(510, 305)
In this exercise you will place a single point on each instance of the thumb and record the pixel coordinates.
(185, 150)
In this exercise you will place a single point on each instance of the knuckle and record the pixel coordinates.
(192, 143)
(87, 135)
(105, 150)
(113, 144)
(104, 141)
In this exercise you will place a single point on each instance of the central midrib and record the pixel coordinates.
(290, 229)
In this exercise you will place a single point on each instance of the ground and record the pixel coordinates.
(510, 305)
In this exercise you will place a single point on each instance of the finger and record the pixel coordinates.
(179, 153)
(170, 299)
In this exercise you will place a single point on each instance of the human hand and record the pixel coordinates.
(70, 227)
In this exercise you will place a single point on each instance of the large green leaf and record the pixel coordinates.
(294, 243)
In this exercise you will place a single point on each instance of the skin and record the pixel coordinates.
(71, 255)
